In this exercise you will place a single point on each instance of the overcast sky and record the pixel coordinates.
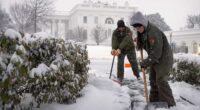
(174, 12)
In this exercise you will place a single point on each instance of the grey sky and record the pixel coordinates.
(174, 12)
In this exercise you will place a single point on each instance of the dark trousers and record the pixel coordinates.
(160, 89)
(131, 55)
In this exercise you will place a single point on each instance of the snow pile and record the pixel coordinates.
(47, 68)
(40, 36)
(99, 52)
(190, 58)
(187, 91)
(186, 68)
(104, 94)
(100, 94)
(40, 70)
(12, 34)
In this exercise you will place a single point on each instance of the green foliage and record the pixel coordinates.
(188, 71)
(7, 44)
(65, 65)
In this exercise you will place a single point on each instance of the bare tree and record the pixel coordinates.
(193, 20)
(5, 20)
(157, 20)
(99, 34)
(39, 9)
(80, 34)
(21, 14)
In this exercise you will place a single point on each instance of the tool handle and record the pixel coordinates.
(112, 66)
(145, 79)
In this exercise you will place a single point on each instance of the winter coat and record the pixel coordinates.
(123, 40)
(154, 41)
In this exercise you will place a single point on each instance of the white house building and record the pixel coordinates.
(56, 24)
(187, 41)
(88, 15)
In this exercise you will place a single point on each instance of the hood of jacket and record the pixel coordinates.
(138, 18)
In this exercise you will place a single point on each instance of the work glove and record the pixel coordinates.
(143, 65)
(118, 51)
(147, 62)
(113, 52)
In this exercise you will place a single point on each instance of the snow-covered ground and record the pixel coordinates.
(103, 94)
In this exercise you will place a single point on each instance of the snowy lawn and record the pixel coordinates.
(104, 94)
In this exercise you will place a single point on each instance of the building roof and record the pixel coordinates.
(183, 32)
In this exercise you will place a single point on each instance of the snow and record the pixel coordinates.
(99, 52)
(55, 65)
(186, 90)
(21, 48)
(2, 64)
(101, 93)
(43, 35)
(40, 70)
(15, 59)
(13, 34)
(40, 36)
(188, 57)
(10, 68)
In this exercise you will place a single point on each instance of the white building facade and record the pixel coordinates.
(56, 24)
(88, 15)
(186, 41)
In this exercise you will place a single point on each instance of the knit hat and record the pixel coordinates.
(137, 25)
(120, 23)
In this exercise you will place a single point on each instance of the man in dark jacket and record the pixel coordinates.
(160, 58)
(122, 45)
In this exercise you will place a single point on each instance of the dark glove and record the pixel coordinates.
(143, 65)
(147, 62)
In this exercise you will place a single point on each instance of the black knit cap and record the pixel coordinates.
(136, 25)
(120, 23)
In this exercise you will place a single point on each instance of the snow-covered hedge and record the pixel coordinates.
(186, 68)
(46, 68)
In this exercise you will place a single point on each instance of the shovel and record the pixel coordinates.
(112, 66)
(150, 105)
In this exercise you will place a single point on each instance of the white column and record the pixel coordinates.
(51, 26)
(56, 28)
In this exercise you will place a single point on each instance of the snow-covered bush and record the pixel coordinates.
(186, 68)
(46, 68)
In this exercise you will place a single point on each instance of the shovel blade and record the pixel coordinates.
(154, 105)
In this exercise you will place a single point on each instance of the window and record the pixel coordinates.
(109, 21)
(184, 47)
(173, 47)
(85, 34)
(96, 20)
(85, 19)
(195, 47)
